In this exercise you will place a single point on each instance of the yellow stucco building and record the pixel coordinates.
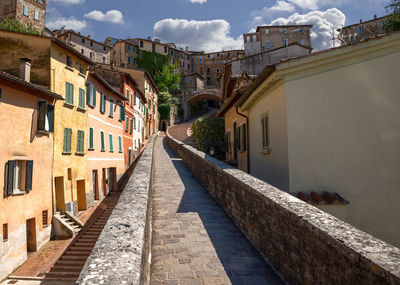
(62, 70)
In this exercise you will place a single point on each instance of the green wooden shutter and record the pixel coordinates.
(131, 99)
(111, 108)
(121, 113)
(91, 138)
(89, 98)
(127, 125)
(94, 95)
(66, 92)
(69, 139)
(72, 93)
(10, 177)
(111, 142)
(50, 117)
(65, 148)
(80, 142)
(81, 103)
(29, 175)
(102, 141)
(131, 127)
(120, 143)
(42, 112)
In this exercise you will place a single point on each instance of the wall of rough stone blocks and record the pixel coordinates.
(122, 253)
(306, 245)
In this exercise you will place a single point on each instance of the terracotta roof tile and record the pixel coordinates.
(324, 198)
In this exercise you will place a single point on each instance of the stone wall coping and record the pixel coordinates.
(119, 252)
(338, 234)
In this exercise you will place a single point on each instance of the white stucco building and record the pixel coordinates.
(330, 122)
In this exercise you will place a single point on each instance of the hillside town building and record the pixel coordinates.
(94, 50)
(31, 12)
(106, 118)
(308, 134)
(26, 155)
(268, 38)
(356, 32)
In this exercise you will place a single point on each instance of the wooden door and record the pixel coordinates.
(111, 179)
(81, 191)
(95, 185)
(31, 235)
(104, 181)
(60, 200)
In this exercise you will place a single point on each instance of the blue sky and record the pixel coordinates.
(208, 25)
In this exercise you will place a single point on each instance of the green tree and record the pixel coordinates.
(14, 25)
(393, 19)
(167, 80)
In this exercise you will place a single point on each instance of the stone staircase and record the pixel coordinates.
(72, 261)
(73, 222)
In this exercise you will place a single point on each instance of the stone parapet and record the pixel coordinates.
(306, 245)
(122, 253)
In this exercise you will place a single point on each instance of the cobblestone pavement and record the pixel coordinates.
(194, 241)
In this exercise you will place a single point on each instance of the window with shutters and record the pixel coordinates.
(19, 177)
(91, 95)
(102, 102)
(242, 137)
(228, 142)
(131, 99)
(45, 117)
(69, 93)
(126, 124)
(80, 142)
(265, 143)
(67, 140)
(121, 113)
(134, 123)
(91, 143)
(45, 218)
(102, 141)
(135, 99)
(5, 232)
(69, 61)
(131, 127)
(81, 103)
(110, 137)
(120, 143)
(111, 114)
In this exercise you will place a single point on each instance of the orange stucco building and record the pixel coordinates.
(26, 157)
(106, 115)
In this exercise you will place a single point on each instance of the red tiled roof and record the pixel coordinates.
(324, 198)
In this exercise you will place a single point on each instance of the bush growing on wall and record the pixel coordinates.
(14, 25)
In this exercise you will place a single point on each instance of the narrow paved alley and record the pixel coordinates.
(194, 240)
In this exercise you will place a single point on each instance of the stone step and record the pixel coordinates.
(84, 244)
(73, 257)
(64, 262)
(78, 252)
(83, 248)
(64, 268)
(63, 275)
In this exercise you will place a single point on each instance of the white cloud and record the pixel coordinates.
(323, 22)
(198, 1)
(209, 36)
(69, 23)
(69, 2)
(307, 4)
(280, 6)
(112, 16)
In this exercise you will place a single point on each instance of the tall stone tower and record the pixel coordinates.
(25, 11)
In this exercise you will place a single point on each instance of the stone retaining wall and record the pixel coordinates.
(122, 253)
(306, 245)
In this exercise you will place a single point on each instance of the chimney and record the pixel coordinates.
(375, 17)
(88, 36)
(360, 21)
(149, 38)
(62, 30)
(187, 48)
(25, 69)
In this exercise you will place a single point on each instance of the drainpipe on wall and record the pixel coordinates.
(247, 137)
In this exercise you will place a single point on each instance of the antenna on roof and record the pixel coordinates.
(333, 37)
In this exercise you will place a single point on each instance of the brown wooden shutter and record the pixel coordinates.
(42, 115)
(10, 177)
(29, 173)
